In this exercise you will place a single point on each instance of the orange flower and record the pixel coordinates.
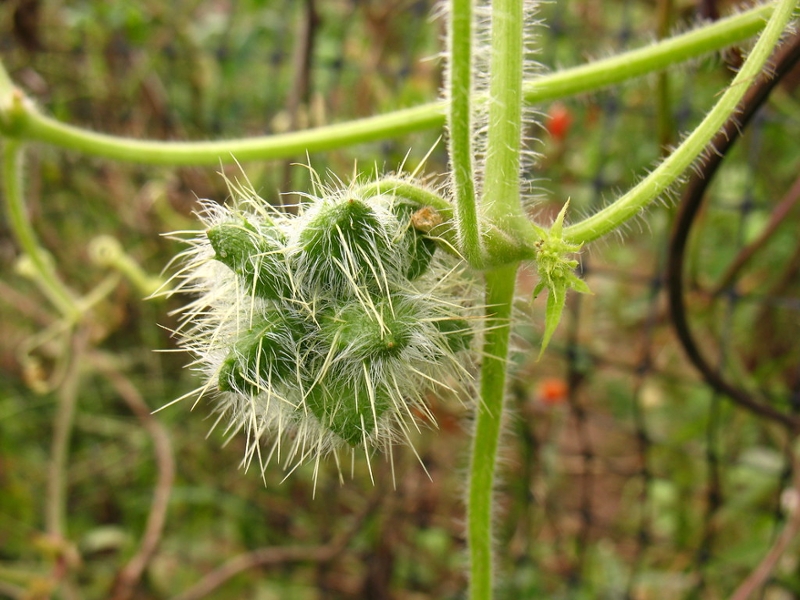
(551, 391)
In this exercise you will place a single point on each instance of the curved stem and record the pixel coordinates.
(32, 125)
(499, 296)
(673, 167)
(690, 205)
(394, 124)
(654, 57)
(409, 190)
(55, 291)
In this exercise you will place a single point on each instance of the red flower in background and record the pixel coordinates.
(551, 391)
(559, 120)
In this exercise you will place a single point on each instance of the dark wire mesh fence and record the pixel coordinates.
(625, 475)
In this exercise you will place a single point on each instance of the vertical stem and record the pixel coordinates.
(500, 204)
(663, 104)
(500, 199)
(499, 296)
(460, 125)
(67, 396)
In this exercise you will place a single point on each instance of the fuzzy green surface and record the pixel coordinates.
(257, 258)
(348, 406)
(342, 245)
(263, 355)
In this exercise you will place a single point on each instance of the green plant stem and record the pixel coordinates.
(499, 296)
(664, 125)
(330, 137)
(500, 204)
(461, 130)
(30, 124)
(55, 291)
(409, 190)
(500, 201)
(649, 59)
(67, 396)
(655, 184)
(107, 251)
(508, 236)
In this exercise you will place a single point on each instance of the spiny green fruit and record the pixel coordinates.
(345, 244)
(263, 356)
(380, 329)
(257, 258)
(325, 328)
(349, 406)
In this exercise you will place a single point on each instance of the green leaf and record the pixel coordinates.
(579, 285)
(558, 224)
(556, 273)
(556, 299)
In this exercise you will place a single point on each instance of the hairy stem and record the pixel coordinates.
(407, 189)
(28, 123)
(500, 197)
(46, 277)
(460, 127)
(500, 201)
(668, 171)
(652, 58)
(499, 295)
(500, 204)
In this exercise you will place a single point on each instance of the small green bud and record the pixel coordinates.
(264, 355)
(348, 406)
(380, 330)
(258, 259)
(342, 245)
(556, 274)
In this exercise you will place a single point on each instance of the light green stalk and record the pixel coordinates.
(485, 438)
(500, 200)
(45, 275)
(649, 59)
(665, 175)
(500, 205)
(24, 121)
(461, 131)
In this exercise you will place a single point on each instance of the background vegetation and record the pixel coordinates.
(624, 475)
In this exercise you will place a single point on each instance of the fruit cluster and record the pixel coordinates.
(325, 327)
